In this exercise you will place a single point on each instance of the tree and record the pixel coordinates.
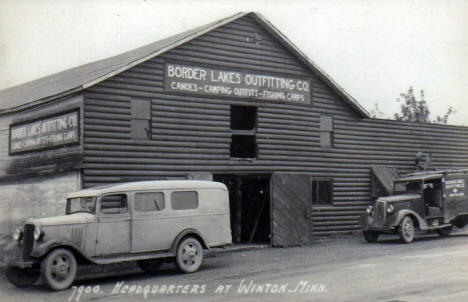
(414, 110)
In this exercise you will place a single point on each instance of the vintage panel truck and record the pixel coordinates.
(428, 201)
(148, 222)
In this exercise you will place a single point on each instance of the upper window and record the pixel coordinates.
(243, 117)
(184, 200)
(243, 127)
(326, 131)
(151, 201)
(141, 116)
(114, 204)
(322, 192)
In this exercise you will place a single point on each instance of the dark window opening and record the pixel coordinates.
(114, 204)
(243, 117)
(322, 192)
(243, 146)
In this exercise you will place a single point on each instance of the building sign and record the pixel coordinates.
(215, 82)
(455, 187)
(49, 132)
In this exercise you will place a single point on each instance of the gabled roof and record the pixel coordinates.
(73, 80)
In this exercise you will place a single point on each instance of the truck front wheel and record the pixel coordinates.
(58, 269)
(406, 230)
(371, 236)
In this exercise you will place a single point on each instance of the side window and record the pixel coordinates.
(114, 204)
(151, 201)
(322, 192)
(184, 200)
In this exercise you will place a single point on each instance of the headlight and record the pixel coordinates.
(369, 209)
(390, 208)
(18, 234)
(37, 233)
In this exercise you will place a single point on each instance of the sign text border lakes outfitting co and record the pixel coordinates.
(206, 81)
(47, 132)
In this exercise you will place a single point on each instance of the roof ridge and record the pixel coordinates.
(78, 78)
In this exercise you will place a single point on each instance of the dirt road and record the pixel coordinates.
(333, 269)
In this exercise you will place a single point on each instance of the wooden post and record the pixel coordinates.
(238, 209)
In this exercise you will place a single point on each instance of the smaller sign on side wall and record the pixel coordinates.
(49, 132)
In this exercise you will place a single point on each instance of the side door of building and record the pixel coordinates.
(149, 223)
(114, 225)
(291, 209)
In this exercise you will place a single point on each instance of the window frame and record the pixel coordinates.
(327, 131)
(182, 191)
(127, 213)
(332, 187)
(251, 133)
(140, 119)
(140, 212)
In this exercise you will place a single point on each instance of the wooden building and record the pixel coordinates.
(233, 101)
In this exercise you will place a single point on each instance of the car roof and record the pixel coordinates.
(148, 185)
(420, 177)
(426, 175)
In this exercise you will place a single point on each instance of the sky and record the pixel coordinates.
(374, 50)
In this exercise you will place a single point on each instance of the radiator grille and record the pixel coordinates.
(28, 241)
(379, 214)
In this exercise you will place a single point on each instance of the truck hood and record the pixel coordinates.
(76, 218)
(401, 197)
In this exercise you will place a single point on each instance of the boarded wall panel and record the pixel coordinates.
(291, 198)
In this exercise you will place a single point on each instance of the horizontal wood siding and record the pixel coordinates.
(192, 134)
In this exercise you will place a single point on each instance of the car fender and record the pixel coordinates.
(43, 248)
(182, 235)
(401, 214)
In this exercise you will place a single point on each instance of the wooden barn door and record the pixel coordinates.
(291, 208)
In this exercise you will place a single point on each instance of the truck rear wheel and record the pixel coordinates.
(406, 230)
(371, 236)
(189, 255)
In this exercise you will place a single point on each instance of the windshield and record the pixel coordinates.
(407, 187)
(81, 204)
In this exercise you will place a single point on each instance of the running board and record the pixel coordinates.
(130, 257)
(433, 228)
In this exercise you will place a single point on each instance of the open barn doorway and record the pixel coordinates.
(249, 199)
